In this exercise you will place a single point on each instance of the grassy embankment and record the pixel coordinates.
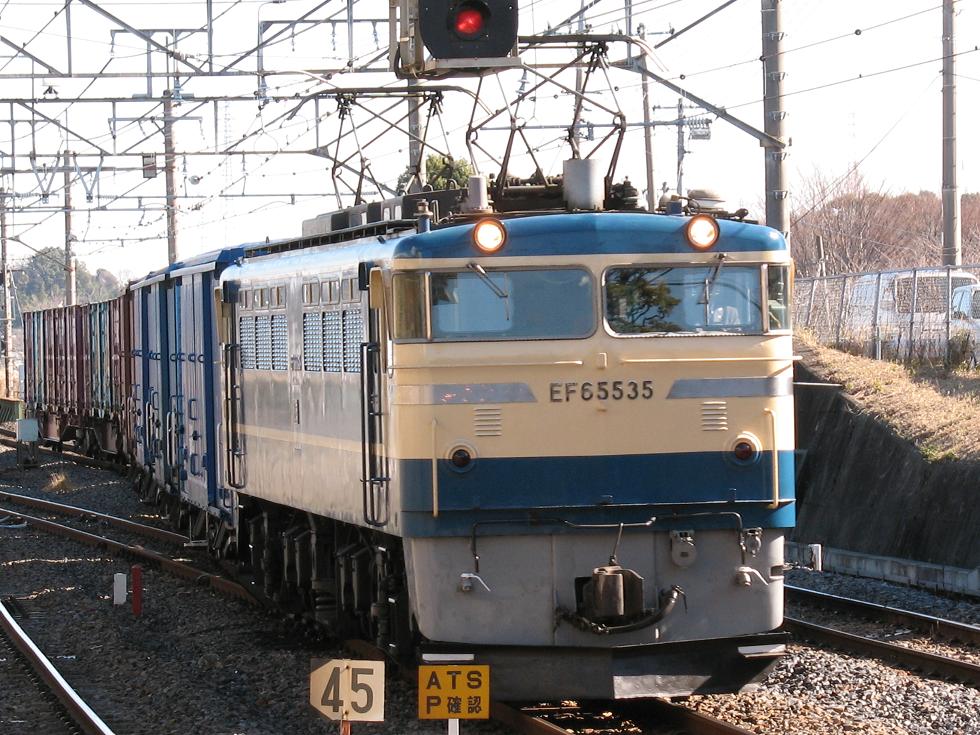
(937, 410)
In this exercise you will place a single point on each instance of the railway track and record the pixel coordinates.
(939, 627)
(172, 566)
(568, 718)
(646, 716)
(913, 658)
(30, 694)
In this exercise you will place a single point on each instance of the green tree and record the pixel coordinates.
(40, 284)
(439, 171)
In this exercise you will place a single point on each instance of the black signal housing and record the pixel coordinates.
(468, 29)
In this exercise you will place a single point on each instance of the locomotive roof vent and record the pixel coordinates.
(477, 196)
(705, 200)
(583, 182)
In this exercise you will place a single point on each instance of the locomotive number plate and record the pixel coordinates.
(601, 390)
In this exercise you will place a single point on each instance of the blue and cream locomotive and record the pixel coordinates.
(558, 440)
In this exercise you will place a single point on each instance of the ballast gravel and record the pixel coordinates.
(197, 662)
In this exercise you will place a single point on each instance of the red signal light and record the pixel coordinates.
(470, 21)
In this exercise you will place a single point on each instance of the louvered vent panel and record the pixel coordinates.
(263, 343)
(312, 341)
(714, 416)
(246, 341)
(353, 335)
(280, 343)
(488, 421)
(333, 349)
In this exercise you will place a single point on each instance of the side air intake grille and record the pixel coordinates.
(488, 421)
(714, 416)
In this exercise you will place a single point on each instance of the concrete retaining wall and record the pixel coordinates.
(862, 488)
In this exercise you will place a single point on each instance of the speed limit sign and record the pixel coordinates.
(349, 691)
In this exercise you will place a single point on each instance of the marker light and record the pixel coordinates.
(470, 21)
(743, 451)
(702, 231)
(746, 449)
(489, 235)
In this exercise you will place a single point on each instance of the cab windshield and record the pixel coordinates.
(687, 299)
(498, 304)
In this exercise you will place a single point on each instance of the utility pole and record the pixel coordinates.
(647, 128)
(416, 161)
(648, 141)
(777, 196)
(70, 296)
(169, 166)
(7, 316)
(952, 245)
(680, 146)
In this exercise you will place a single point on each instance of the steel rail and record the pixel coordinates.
(948, 629)
(910, 657)
(7, 439)
(178, 569)
(139, 529)
(644, 713)
(80, 713)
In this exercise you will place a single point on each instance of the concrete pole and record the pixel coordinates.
(416, 161)
(8, 317)
(952, 245)
(648, 141)
(70, 296)
(680, 146)
(169, 167)
(777, 195)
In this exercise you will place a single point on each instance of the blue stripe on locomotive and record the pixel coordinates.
(588, 234)
(602, 489)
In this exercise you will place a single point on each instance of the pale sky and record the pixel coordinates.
(871, 99)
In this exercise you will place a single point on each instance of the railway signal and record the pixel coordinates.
(458, 36)
(469, 29)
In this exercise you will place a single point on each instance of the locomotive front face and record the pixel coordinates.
(591, 432)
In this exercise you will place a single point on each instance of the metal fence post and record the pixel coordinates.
(949, 298)
(840, 311)
(876, 326)
(809, 308)
(915, 295)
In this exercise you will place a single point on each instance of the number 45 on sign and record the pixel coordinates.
(348, 691)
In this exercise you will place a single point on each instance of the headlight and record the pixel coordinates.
(489, 235)
(702, 231)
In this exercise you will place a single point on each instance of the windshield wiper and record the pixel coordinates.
(710, 280)
(497, 290)
(708, 283)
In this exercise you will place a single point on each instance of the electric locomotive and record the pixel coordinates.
(553, 434)
(558, 442)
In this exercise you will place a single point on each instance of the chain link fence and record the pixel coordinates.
(922, 314)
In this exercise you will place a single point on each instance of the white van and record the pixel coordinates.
(885, 310)
(964, 325)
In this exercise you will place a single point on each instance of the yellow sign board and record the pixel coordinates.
(350, 691)
(454, 692)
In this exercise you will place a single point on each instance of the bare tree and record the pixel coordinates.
(868, 230)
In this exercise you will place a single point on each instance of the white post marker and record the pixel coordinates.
(119, 589)
(453, 727)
